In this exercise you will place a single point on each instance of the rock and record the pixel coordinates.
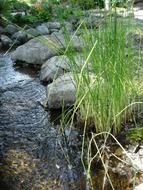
(1, 30)
(43, 29)
(61, 92)
(36, 51)
(32, 33)
(10, 29)
(92, 18)
(92, 21)
(98, 13)
(58, 65)
(0, 45)
(54, 67)
(139, 187)
(6, 41)
(67, 28)
(76, 41)
(54, 25)
(138, 40)
(54, 30)
(20, 37)
(135, 39)
(42, 48)
(71, 134)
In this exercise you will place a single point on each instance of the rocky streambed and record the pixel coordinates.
(34, 154)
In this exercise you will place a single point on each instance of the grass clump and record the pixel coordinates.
(105, 89)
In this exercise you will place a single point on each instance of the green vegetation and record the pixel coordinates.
(135, 134)
(88, 4)
(43, 10)
(5, 7)
(35, 14)
(106, 82)
(105, 88)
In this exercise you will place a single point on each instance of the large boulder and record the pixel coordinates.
(35, 51)
(58, 65)
(42, 48)
(61, 92)
(54, 67)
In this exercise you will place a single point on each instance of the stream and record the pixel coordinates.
(34, 154)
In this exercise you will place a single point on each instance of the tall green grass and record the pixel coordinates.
(105, 80)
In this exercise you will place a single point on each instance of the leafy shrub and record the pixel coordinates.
(5, 6)
(42, 11)
(90, 4)
(27, 19)
(37, 13)
(19, 6)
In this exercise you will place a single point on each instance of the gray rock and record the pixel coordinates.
(1, 30)
(61, 92)
(0, 45)
(98, 13)
(67, 28)
(76, 41)
(58, 65)
(6, 41)
(54, 30)
(43, 29)
(36, 51)
(53, 25)
(138, 40)
(93, 18)
(20, 36)
(71, 134)
(54, 67)
(92, 21)
(32, 33)
(41, 48)
(10, 29)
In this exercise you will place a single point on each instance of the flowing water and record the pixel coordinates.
(34, 155)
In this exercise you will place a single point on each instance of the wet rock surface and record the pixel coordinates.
(34, 154)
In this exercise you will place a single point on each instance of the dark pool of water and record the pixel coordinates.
(33, 152)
